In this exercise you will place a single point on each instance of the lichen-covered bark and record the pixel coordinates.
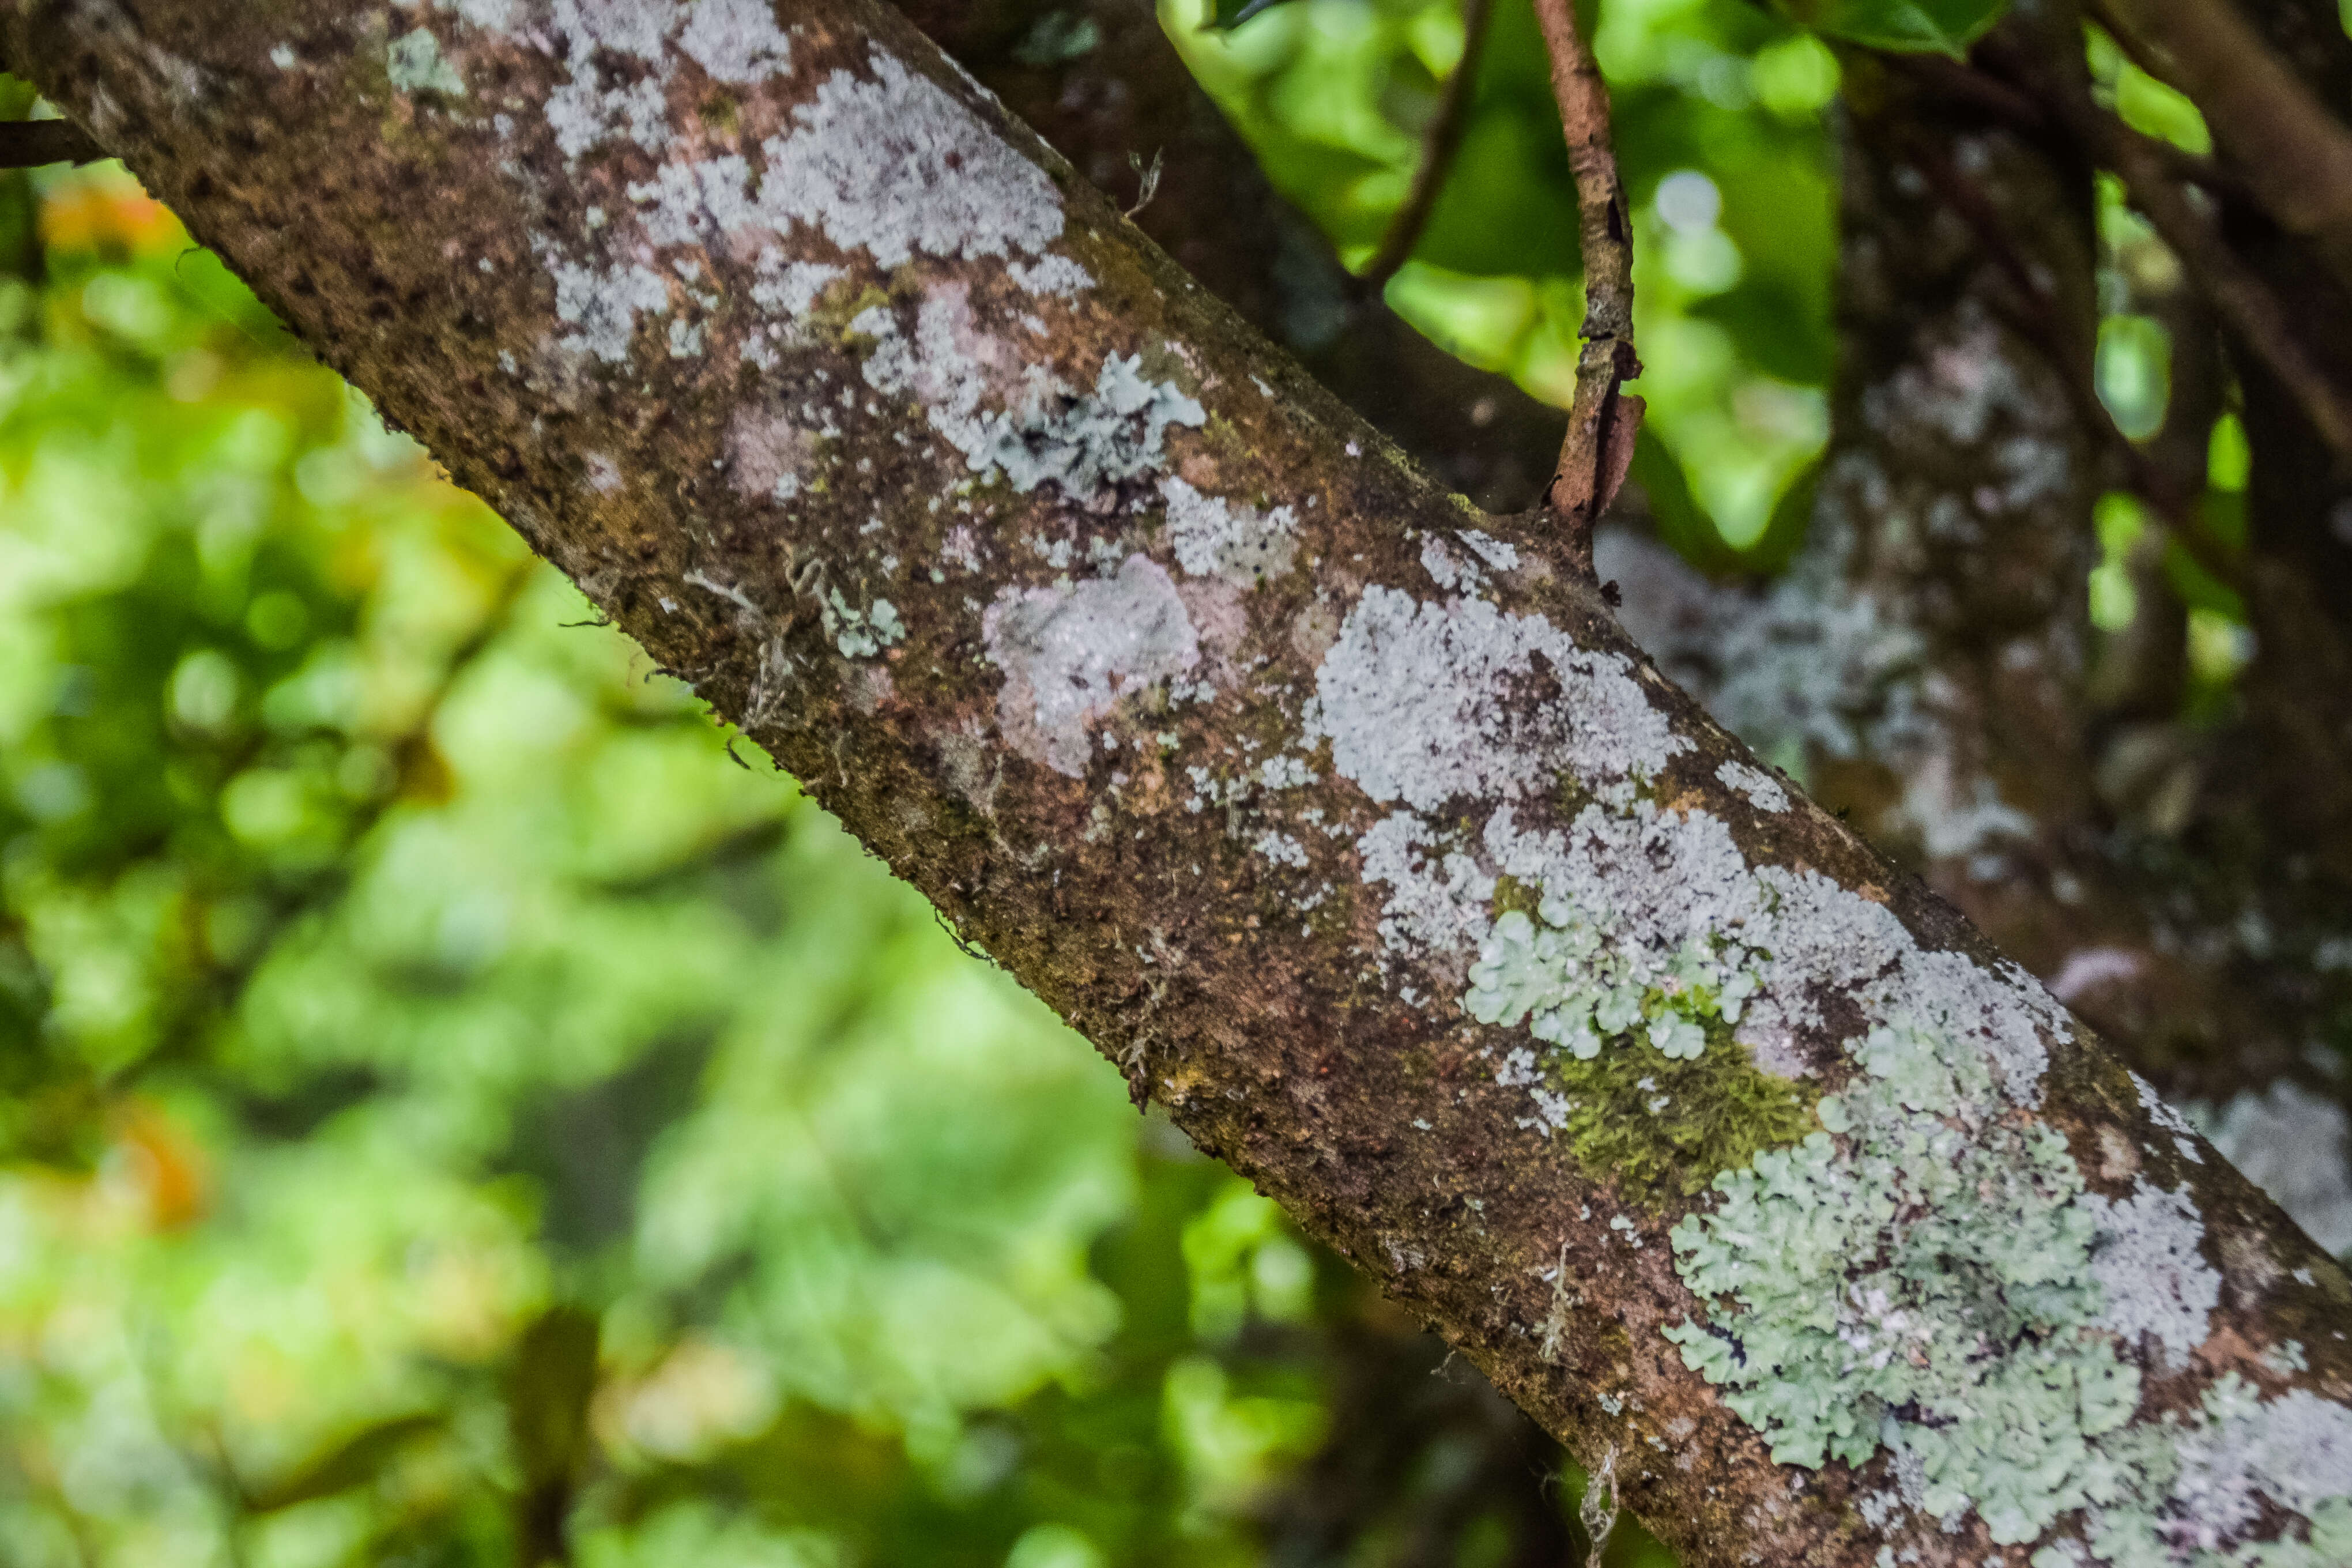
(1102, 84)
(1358, 834)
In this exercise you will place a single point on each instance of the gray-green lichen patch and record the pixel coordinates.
(1922, 1280)
(1931, 1275)
(861, 634)
(1575, 987)
(1917, 1263)
(2192, 1491)
(414, 64)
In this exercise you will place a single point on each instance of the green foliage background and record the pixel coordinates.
(453, 1113)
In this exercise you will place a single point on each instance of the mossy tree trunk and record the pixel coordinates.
(1350, 826)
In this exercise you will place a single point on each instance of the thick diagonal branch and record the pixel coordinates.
(1347, 823)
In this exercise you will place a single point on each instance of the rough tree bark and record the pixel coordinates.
(1102, 84)
(1361, 837)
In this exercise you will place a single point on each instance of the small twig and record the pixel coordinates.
(1438, 146)
(1598, 1510)
(1147, 178)
(967, 948)
(30, 143)
(1601, 421)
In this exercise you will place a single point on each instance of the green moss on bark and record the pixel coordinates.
(1662, 1130)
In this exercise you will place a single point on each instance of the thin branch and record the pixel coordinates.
(1959, 80)
(1438, 146)
(2296, 154)
(30, 143)
(2238, 294)
(2010, 106)
(1601, 422)
(2241, 296)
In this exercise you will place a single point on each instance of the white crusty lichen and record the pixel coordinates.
(1425, 703)
(1071, 652)
(583, 111)
(894, 166)
(601, 305)
(1027, 427)
(1762, 789)
(735, 41)
(1211, 537)
(1438, 891)
(883, 161)
(2293, 1145)
(2152, 1268)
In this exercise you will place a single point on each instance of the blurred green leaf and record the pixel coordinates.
(1921, 26)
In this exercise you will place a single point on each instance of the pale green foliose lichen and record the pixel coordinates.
(414, 64)
(861, 634)
(1577, 988)
(1937, 1279)
(1929, 1289)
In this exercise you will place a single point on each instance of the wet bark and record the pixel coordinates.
(1237, 741)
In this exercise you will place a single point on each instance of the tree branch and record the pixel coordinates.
(1601, 421)
(1441, 141)
(30, 143)
(2293, 153)
(1355, 831)
(2238, 292)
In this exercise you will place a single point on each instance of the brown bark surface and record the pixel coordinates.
(1177, 689)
